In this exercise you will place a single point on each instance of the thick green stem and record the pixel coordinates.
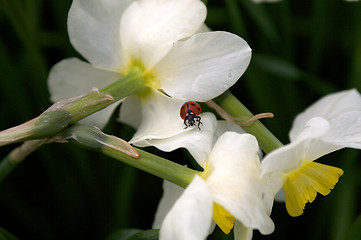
(267, 141)
(93, 138)
(6, 166)
(155, 165)
(98, 100)
(17, 155)
(71, 110)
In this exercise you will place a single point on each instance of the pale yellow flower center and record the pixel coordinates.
(301, 185)
(149, 74)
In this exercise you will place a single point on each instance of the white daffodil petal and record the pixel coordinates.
(228, 149)
(171, 193)
(191, 216)
(72, 77)
(290, 156)
(307, 147)
(203, 66)
(242, 232)
(327, 107)
(225, 126)
(234, 159)
(198, 142)
(163, 128)
(93, 28)
(310, 140)
(345, 130)
(149, 28)
(160, 117)
(131, 111)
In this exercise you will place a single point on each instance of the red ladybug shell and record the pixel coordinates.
(190, 108)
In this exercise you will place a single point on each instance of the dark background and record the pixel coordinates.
(302, 50)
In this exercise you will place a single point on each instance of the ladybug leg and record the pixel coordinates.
(185, 123)
(198, 120)
(192, 120)
(189, 121)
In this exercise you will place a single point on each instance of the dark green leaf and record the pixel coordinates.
(151, 234)
(123, 234)
(5, 235)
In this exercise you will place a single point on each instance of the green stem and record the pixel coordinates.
(17, 155)
(6, 166)
(93, 138)
(267, 141)
(155, 165)
(69, 111)
(133, 82)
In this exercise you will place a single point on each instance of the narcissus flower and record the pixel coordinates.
(330, 124)
(165, 39)
(229, 191)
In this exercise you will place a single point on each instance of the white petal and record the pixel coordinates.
(163, 128)
(171, 193)
(160, 117)
(327, 107)
(93, 28)
(203, 66)
(131, 111)
(191, 216)
(149, 28)
(242, 232)
(307, 147)
(198, 142)
(311, 145)
(290, 156)
(235, 180)
(345, 130)
(72, 77)
(228, 152)
(225, 126)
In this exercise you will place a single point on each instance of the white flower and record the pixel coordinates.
(162, 37)
(332, 123)
(229, 190)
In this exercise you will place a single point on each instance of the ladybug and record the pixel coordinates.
(189, 112)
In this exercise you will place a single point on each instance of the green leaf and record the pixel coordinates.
(262, 19)
(135, 234)
(355, 230)
(123, 234)
(5, 235)
(152, 234)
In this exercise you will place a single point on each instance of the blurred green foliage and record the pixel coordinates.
(301, 51)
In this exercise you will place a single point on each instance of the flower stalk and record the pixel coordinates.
(17, 155)
(91, 137)
(157, 166)
(71, 110)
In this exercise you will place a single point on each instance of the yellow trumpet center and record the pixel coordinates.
(223, 218)
(301, 185)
